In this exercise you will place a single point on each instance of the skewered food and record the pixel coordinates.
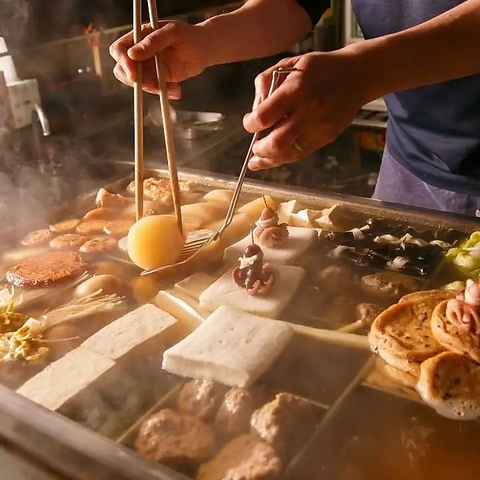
(99, 245)
(268, 231)
(456, 322)
(37, 237)
(44, 270)
(254, 286)
(285, 423)
(213, 351)
(201, 398)
(450, 383)
(253, 274)
(176, 440)
(154, 241)
(65, 226)
(68, 241)
(244, 458)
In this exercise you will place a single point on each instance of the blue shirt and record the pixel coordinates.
(433, 131)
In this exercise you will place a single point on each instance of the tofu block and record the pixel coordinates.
(231, 347)
(298, 241)
(61, 381)
(224, 292)
(123, 335)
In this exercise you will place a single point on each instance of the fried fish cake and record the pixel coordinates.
(403, 332)
(99, 245)
(69, 241)
(65, 226)
(37, 237)
(450, 383)
(46, 269)
(118, 228)
(464, 341)
(397, 375)
(91, 227)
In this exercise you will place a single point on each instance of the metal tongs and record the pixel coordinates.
(199, 240)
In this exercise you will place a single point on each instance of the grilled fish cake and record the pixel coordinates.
(450, 383)
(463, 341)
(99, 244)
(66, 226)
(398, 375)
(68, 241)
(434, 296)
(46, 269)
(37, 237)
(403, 330)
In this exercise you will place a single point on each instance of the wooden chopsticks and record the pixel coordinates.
(167, 121)
(138, 113)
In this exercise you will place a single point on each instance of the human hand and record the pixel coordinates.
(182, 47)
(308, 110)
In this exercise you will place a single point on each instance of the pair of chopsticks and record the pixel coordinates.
(166, 117)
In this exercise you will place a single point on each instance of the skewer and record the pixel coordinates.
(167, 121)
(138, 113)
(348, 340)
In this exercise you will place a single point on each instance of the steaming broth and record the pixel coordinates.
(318, 372)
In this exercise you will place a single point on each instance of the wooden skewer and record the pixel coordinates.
(348, 340)
(138, 113)
(167, 121)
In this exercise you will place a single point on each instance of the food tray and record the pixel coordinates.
(329, 376)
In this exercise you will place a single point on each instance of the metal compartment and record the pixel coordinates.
(79, 453)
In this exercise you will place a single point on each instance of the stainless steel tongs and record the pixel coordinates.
(199, 240)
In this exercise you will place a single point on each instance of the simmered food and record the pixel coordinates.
(44, 270)
(155, 241)
(243, 458)
(176, 440)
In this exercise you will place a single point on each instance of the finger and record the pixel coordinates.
(271, 111)
(121, 76)
(280, 140)
(174, 91)
(118, 51)
(165, 36)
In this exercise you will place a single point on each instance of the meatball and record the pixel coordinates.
(335, 278)
(179, 441)
(201, 398)
(233, 417)
(244, 458)
(285, 423)
(366, 313)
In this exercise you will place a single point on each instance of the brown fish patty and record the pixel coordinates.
(45, 269)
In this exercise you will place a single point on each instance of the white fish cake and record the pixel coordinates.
(231, 347)
(224, 292)
(61, 381)
(299, 240)
(133, 329)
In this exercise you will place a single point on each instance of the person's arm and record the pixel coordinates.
(259, 28)
(444, 48)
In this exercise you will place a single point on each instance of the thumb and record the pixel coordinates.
(154, 42)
